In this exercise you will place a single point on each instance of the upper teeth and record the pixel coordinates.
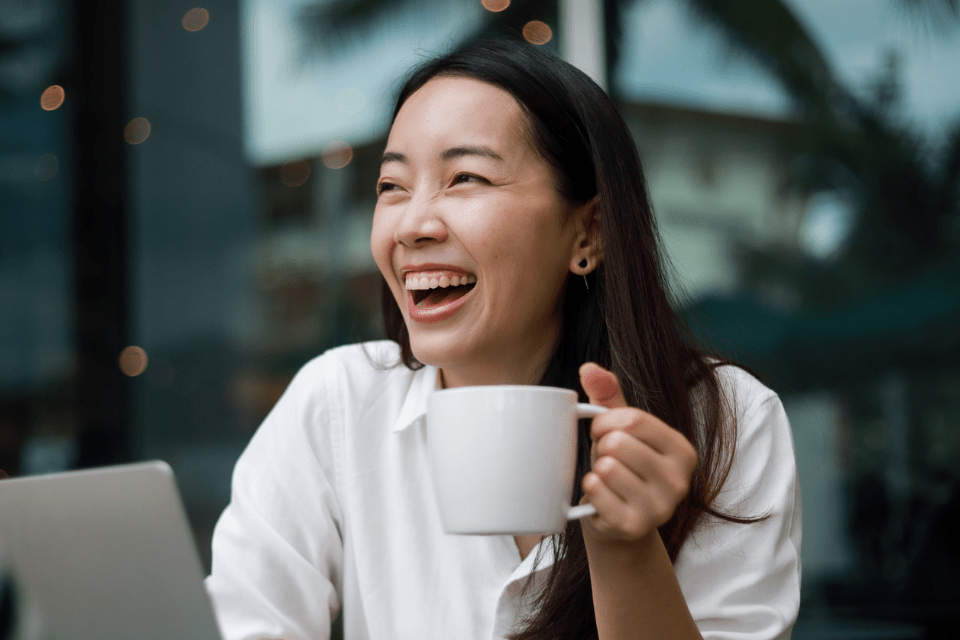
(420, 283)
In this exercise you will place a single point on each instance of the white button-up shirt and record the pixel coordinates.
(333, 506)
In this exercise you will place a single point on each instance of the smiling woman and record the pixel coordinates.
(517, 246)
(464, 192)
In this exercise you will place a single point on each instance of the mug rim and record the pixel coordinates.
(525, 388)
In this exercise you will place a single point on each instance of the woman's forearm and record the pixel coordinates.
(635, 591)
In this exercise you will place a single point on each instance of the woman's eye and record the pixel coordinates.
(462, 178)
(385, 186)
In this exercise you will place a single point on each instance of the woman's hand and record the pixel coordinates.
(641, 466)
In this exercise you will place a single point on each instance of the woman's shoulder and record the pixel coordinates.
(752, 410)
(763, 433)
(741, 388)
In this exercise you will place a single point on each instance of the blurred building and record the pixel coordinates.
(718, 182)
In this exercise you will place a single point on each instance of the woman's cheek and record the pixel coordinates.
(381, 244)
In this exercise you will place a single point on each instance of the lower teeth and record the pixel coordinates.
(436, 297)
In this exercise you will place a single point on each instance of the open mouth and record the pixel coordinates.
(437, 297)
(432, 292)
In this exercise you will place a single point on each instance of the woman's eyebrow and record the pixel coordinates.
(449, 154)
(459, 152)
(393, 156)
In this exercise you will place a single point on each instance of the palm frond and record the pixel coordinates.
(938, 16)
(329, 25)
(770, 32)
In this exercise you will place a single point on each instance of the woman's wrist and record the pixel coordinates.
(635, 590)
(625, 555)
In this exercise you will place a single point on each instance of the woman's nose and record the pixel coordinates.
(420, 223)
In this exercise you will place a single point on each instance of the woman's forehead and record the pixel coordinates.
(457, 106)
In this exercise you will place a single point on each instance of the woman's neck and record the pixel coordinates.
(452, 377)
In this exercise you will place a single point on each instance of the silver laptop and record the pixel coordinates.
(107, 553)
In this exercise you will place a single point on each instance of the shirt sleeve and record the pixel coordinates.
(277, 548)
(742, 581)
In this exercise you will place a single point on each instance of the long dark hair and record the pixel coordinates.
(622, 318)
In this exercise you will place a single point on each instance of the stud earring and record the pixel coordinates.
(583, 265)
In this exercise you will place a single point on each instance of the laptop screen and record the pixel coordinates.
(107, 553)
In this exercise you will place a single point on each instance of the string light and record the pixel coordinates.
(52, 97)
(537, 32)
(196, 19)
(295, 173)
(133, 361)
(495, 5)
(337, 155)
(137, 131)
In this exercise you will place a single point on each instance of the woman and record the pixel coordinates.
(516, 242)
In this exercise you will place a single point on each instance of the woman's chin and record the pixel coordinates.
(452, 352)
(438, 353)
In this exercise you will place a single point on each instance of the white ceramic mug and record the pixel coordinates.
(504, 457)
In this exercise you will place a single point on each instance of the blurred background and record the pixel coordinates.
(186, 194)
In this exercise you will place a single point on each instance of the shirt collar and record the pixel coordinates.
(414, 407)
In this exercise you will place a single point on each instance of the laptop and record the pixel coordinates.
(107, 553)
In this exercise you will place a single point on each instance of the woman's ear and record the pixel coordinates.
(587, 248)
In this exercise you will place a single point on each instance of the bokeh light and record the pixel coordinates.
(196, 19)
(295, 173)
(52, 97)
(537, 32)
(495, 5)
(137, 130)
(133, 361)
(337, 155)
(47, 167)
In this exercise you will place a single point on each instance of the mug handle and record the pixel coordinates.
(583, 510)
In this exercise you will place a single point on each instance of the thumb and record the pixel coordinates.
(601, 386)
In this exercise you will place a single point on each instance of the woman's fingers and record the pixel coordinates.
(615, 518)
(641, 466)
(667, 464)
(642, 426)
(601, 386)
(626, 509)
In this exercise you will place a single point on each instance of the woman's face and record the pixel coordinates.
(471, 235)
